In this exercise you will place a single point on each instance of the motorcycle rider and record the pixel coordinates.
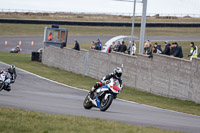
(117, 73)
(10, 75)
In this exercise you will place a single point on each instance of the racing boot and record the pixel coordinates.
(92, 92)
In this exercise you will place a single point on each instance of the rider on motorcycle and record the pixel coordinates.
(117, 73)
(10, 75)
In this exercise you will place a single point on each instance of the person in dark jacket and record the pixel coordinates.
(167, 48)
(76, 46)
(123, 47)
(157, 48)
(177, 51)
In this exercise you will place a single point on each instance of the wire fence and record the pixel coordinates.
(107, 13)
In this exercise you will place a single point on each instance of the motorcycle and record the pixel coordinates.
(103, 96)
(2, 80)
(16, 50)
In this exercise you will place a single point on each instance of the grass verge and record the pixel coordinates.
(18, 121)
(24, 61)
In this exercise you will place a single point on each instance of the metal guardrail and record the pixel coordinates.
(91, 23)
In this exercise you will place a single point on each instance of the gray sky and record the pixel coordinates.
(105, 6)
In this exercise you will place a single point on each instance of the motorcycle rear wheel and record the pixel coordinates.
(105, 103)
(87, 104)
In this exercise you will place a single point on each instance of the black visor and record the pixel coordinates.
(119, 74)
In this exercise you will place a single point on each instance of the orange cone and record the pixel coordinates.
(6, 43)
(20, 43)
(32, 43)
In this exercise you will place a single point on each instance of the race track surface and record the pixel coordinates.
(31, 92)
(13, 41)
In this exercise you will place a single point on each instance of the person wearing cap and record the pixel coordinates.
(76, 46)
(167, 48)
(99, 44)
(193, 51)
(177, 50)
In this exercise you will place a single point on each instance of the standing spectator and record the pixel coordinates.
(118, 49)
(99, 44)
(93, 45)
(193, 51)
(146, 46)
(112, 47)
(172, 50)
(157, 49)
(167, 48)
(76, 46)
(123, 47)
(149, 50)
(133, 46)
(177, 51)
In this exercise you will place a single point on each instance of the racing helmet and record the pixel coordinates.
(11, 69)
(117, 72)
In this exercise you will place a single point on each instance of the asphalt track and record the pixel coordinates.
(31, 92)
(13, 41)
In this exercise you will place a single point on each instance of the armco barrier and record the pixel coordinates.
(94, 23)
(162, 75)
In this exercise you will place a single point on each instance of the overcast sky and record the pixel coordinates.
(105, 6)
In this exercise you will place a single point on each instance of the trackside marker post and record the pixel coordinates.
(20, 43)
(32, 43)
(6, 43)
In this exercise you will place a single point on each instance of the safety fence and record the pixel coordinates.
(89, 23)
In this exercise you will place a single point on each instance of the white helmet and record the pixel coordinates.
(117, 72)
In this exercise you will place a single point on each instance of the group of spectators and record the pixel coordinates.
(170, 49)
(121, 47)
(96, 45)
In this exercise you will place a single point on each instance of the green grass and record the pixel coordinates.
(31, 29)
(24, 61)
(18, 121)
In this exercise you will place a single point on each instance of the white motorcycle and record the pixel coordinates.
(2, 80)
(103, 96)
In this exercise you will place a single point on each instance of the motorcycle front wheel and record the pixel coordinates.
(87, 104)
(105, 103)
(1, 85)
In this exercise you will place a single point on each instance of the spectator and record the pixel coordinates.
(93, 45)
(149, 50)
(123, 47)
(133, 46)
(167, 48)
(99, 44)
(112, 47)
(177, 51)
(193, 51)
(172, 50)
(157, 48)
(146, 46)
(118, 46)
(76, 46)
